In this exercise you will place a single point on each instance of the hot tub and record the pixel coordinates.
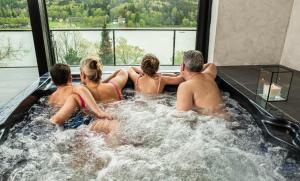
(160, 144)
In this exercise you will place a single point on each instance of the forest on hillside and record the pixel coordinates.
(96, 13)
(70, 47)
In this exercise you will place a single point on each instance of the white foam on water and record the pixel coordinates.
(161, 144)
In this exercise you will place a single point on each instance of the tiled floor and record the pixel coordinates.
(245, 79)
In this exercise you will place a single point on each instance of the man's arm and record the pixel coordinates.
(210, 69)
(184, 98)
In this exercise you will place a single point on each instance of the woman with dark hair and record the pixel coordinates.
(147, 80)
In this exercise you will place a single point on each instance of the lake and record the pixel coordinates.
(160, 43)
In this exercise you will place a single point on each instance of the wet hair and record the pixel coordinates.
(60, 74)
(150, 64)
(193, 60)
(92, 68)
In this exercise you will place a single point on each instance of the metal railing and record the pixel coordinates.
(114, 30)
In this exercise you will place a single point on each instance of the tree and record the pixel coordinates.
(105, 48)
(72, 57)
(7, 51)
(142, 23)
(178, 57)
(128, 54)
(186, 22)
(70, 47)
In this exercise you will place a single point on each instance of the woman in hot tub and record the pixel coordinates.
(147, 80)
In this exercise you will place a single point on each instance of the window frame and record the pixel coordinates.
(42, 34)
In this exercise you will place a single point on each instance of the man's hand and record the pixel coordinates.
(210, 69)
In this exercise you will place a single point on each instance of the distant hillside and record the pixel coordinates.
(96, 13)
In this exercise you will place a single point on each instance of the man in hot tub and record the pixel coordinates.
(199, 91)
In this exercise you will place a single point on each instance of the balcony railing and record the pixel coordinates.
(123, 46)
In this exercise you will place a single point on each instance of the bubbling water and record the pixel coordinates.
(160, 144)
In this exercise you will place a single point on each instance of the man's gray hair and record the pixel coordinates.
(193, 60)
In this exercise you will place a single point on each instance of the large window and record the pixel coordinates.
(122, 31)
(18, 67)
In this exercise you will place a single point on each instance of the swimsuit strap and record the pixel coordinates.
(82, 103)
(118, 91)
(137, 83)
(159, 80)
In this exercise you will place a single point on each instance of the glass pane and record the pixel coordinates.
(71, 46)
(185, 40)
(132, 45)
(16, 50)
(139, 16)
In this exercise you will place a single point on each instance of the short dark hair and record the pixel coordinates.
(150, 64)
(193, 60)
(60, 74)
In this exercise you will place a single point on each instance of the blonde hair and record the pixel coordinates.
(92, 68)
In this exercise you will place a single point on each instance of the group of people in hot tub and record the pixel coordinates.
(197, 88)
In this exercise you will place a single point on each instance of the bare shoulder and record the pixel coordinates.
(184, 86)
(51, 98)
(79, 88)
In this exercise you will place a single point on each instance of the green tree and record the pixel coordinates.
(186, 22)
(130, 24)
(142, 23)
(72, 57)
(128, 54)
(9, 52)
(178, 57)
(105, 48)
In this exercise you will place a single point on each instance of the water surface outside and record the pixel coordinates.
(159, 144)
(83, 43)
(17, 49)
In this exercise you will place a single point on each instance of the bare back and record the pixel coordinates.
(149, 85)
(201, 93)
(104, 92)
(60, 96)
(206, 94)
(109, 90)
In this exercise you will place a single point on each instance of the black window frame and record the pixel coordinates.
(44, 47)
